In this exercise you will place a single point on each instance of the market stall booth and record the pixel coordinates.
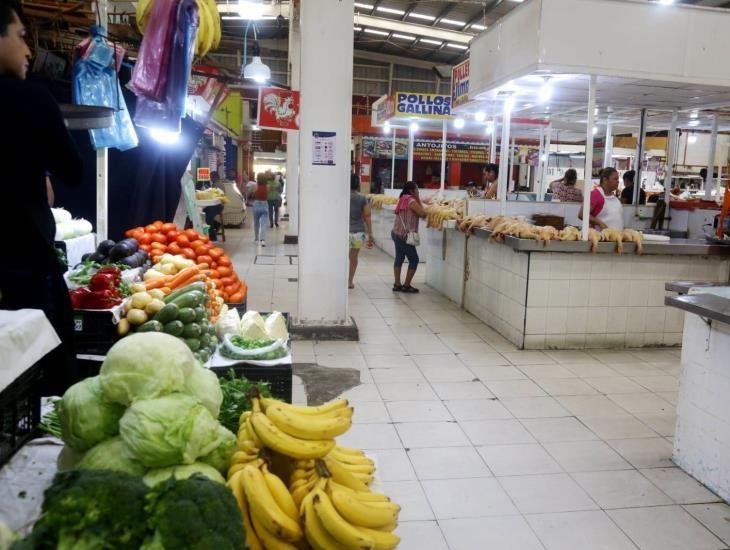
(543, 294)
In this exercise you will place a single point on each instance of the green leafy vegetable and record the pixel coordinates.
(51, 422)
(220, 457)
(203, 384)
(111, 454)
(241, 342)
(235, 398)
(155, 477)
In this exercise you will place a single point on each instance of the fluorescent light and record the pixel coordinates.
(357, 28)
(429, 41)
(421, 16)
(457, 46)
(666, 2)
(480, 116)
(459, 123)
(694, 114)
(374, 31)
(164, 136)
(364, 6)
(546, 91)
(403, 36)
(694, 122)
(452, 22)
(250, 9)
(478, 27)
(692, 139)
(390, 10)
(595, 130)
(414, 127)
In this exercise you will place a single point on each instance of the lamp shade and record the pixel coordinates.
(257, 71)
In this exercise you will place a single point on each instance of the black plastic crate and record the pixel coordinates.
(20, 412)
(241, 306)
(278, 377)
(95, 331)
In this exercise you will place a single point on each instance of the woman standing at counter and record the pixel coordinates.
(491, 181)
(407, 212)
(606, 210)
(565, 190)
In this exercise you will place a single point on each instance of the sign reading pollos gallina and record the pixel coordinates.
(423, 105)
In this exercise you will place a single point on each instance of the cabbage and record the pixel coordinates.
(276, 326)
(81, 227)
(170, 430)
(220, 457)
(203, 384)
(86, 416)
(68, 459)
(61, 215)
(252, 326)
(228, 323)
(145, 366)
(65, 231)
(111, 454)
(154, 477)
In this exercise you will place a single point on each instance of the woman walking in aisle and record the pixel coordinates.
(274, 197)
(404, 234)
(359, 223)
(260, 210)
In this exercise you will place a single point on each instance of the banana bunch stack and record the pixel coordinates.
(378, 201)
(209, 28)
(436, 215)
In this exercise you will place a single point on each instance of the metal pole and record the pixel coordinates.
(639, 158)
(671, 159)
(538, 172)
(546, 164)
(392, 160)
(102, 157)
(504, 156)
(443, 156)
(711, 160)
(608, 149)
(410, 153)
(510, 173)
(587, 177)
(493, 142)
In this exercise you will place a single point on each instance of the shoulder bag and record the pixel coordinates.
(412, 237)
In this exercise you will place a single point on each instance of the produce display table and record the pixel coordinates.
(77, 247)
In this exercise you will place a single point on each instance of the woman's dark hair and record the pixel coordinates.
(491, 167)
(629, 175)
(8, 12)
(570, 177)
(355, 184)
(607, 173)
(262, 178)
(408, 188)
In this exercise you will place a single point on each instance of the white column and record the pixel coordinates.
(493, 142)
(608, 150)
(709, 184)
(671, 153)
(538, 171)
(546, 164)
(326, 106)
(102, 194)
(392, 158)
(504, 156)
(292, 138)
(443, 155)
(639, 160)
(411, 134)
(587, 176)
(511, 171)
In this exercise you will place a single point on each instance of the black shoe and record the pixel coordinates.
(276, 224)
(397, 288)
(410, 290)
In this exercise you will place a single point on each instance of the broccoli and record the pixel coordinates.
(90, 510)
(195, 514)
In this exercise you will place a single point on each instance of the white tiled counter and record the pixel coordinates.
(382, 220)
(552, 299)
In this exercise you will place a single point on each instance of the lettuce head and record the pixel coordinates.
(220, 457)
(203, 384)
(113, 455)
(153, 477)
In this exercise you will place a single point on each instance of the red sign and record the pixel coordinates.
(278, 109)
(203, 174)
(206, 87)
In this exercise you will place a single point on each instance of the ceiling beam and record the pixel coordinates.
(397, 60)
(393, 25)
(443, 13)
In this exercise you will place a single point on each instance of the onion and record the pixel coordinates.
(61, 215)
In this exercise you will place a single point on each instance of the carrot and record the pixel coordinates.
(190, 280)
(184, 275)
(204, 267)
(231, 289)
(166, 290)
(157, 282)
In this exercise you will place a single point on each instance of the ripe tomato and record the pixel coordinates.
(183, 240)
(174, 248)
(200, 250)
(205, 260)
(196, 243)
(224, 271)
(191, 234)
(167, 227)
(158, 224)
(145, 247)
(159, 238)
(151, 228)
(216, 252)
(158, 246)
(204, 238)
(224, 260)
(189, 253)
(144, 238)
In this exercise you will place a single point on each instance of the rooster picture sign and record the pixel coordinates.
(278, 109)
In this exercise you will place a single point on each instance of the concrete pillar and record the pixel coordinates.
(324, 190)
(709, 182)
(588, 169)
(292, 138)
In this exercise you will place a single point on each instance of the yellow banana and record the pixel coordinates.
(271, 436)
(316, 534)
(243, 456)
(362, 514)
(216, 22)
(281, 494)
(270, 540)
(365, 496)
(343, 476)
(297, 409)
(388, 528)
(248, 447)
(309, 482)
(302, 491)
(252, 433)
(384, 540)
(349, 450)
(307, 427)
(342, 531)
(264, 507)
(350, 459)
(359, 468)
(365, 478)
(234, 484)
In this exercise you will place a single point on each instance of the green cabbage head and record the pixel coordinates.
(168, 431)
(153, 477)
(203, 384)
(220, 457)
(86, 416)
(113, 455)
(145, 366)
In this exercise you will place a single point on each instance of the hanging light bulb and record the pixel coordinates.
(414, 127)
(490, 128)
(459, 123)
(250, 9)
(480, 116)
(256, 70)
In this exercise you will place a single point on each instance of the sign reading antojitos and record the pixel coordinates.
(423, 105)
(456, 151)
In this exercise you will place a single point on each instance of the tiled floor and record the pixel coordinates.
(487, 447)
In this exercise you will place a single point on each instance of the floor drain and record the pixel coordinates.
(292, 279)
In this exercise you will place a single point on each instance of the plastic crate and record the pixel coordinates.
(20, 411)
(278, 377)
(95, 331)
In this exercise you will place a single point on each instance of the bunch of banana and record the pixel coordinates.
(298, 432)
(270, 516)
(209, 26)
(378, 201)
(249, 446)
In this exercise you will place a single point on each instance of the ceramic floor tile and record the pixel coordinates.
(623, 427)
(477, 409)
(636, 369)
(654, 452)
(592, 405)
(663, 424)
(448, 374)
(483, 359)
(421, 345)
(637, 403)
(595, 370)
(571, 530)
(498, 373)
(548, 430)
(665, 528)
(569, 356)
(671, 396)
(566, 386)
(497, 533)
(410, 497)
(528, 358)
(621, 489)
(391, 464)
(461, 390)
(547, 371)
(342, 361)
(615, 384)
(514, 460)
(679, 486)
(389, 361)
(420, 535)
(370, 412)
(716, 517)
(444, 361)
(539, 494)
(385, 376)
(586, 456)
(418, 411)
(496, 432)
(392, 348)
(431, 434)
(448, 463)
(362, 393)
(514, 388)
(371, 436)
(407, 391)
(471, 348)
(534, 407)
(467, 498)
(658, 383)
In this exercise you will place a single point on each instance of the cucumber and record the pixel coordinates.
(189, 299)
(200, 314)
(214, 341)
(150, 326)
(200, 287)
(167, 314)
(203, 355)
(207, 327)
(191, 330)
(193, 344)
(175, 328)
(204, 340)
(186, 315)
